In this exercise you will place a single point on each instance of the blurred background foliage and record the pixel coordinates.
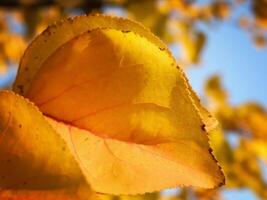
(178, 23)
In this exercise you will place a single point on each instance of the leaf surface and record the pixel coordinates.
(34, 159)
(61, 32)
(112, 90)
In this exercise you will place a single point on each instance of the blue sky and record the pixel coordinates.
(231, 53)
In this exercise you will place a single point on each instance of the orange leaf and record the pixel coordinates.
(113, 92)
(34, 159)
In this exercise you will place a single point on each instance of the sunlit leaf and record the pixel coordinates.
(192, 42)
(114, 93)
(253, 119)
(259, 147)
(209, 120)
(247, 171)
(34, 159)
(215, 90)
(222, 150)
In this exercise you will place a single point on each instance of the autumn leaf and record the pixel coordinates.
(34, 160)
(247, 171)
(128, 116)
(192, 42)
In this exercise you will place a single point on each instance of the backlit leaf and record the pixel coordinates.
(113, 91)
(34, 160)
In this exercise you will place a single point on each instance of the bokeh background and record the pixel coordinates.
(220, 44)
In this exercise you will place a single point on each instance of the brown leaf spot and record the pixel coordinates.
(203, 127)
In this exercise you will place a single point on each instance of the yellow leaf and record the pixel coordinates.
(222, 149)
(247, 171)
(113, 91)
(34, 160)
(259, 147)
(61, 32)
(149, 14)
(215, 91)
(253, 119)
(210, 121)
(192, 42)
